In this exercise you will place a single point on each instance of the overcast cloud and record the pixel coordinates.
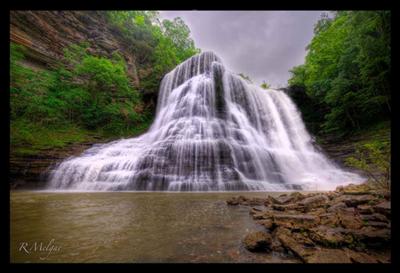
(261, 44)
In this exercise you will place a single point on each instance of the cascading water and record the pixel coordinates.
(212, 132)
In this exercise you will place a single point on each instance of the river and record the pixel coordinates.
(136, 227)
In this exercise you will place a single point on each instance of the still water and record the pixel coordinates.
(130, 227)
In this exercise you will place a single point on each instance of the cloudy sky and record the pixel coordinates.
(261, 44)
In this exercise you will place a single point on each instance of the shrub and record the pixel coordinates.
(374, 159)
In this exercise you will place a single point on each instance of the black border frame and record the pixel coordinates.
(188, 5)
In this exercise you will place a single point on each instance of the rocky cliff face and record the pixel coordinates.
(30, 172)
(46, 33)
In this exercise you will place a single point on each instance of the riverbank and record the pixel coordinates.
(349, 225)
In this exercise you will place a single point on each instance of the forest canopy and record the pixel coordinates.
(163, 43)
(344, 84)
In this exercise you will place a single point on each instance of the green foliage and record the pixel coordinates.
(82, 90)
(374, 159)
(27, 138)
(179, 34)
(298, 76)
(29, 92)
(85, 92)
(347, 70)
(265, 85)
(162, 45)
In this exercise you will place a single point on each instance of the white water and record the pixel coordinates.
(212, 132)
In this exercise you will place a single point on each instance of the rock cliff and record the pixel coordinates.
(46, 33)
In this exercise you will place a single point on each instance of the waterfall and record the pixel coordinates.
(213, 131)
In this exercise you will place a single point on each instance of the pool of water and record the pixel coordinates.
(131, 227)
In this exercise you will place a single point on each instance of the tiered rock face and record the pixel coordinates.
(349, 225)
(30, 171)
(45, 34)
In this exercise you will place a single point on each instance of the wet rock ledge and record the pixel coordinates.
(349, 225)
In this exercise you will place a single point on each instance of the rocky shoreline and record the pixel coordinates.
(349, 225)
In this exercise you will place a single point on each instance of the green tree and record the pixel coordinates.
(374, 159)
(347, 69)
(179, 33)
(164, 44)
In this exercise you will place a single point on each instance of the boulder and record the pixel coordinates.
(303, 238)
(283, 198)
(330, 219)
(257, 201)
(276, 246)
(332, 195)
(383, 208)
(336, 206)
(372, 237)
(355, 200)
(255, 211)
(267, 202)
(365, 209)
(357, 189)
(286, 199)
(233, 201)
(295, 221)
(267, 223)
(349, 219)
(243, 200)
(331, 237)
(272, 200)
(285, 207)
(297, 196)
(376, 224)
(375, 217)
(261, 215)
(258, 241)
(289, 243)
(314, 201)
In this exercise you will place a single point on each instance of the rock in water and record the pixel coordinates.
(212, 132)
(257, 241)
